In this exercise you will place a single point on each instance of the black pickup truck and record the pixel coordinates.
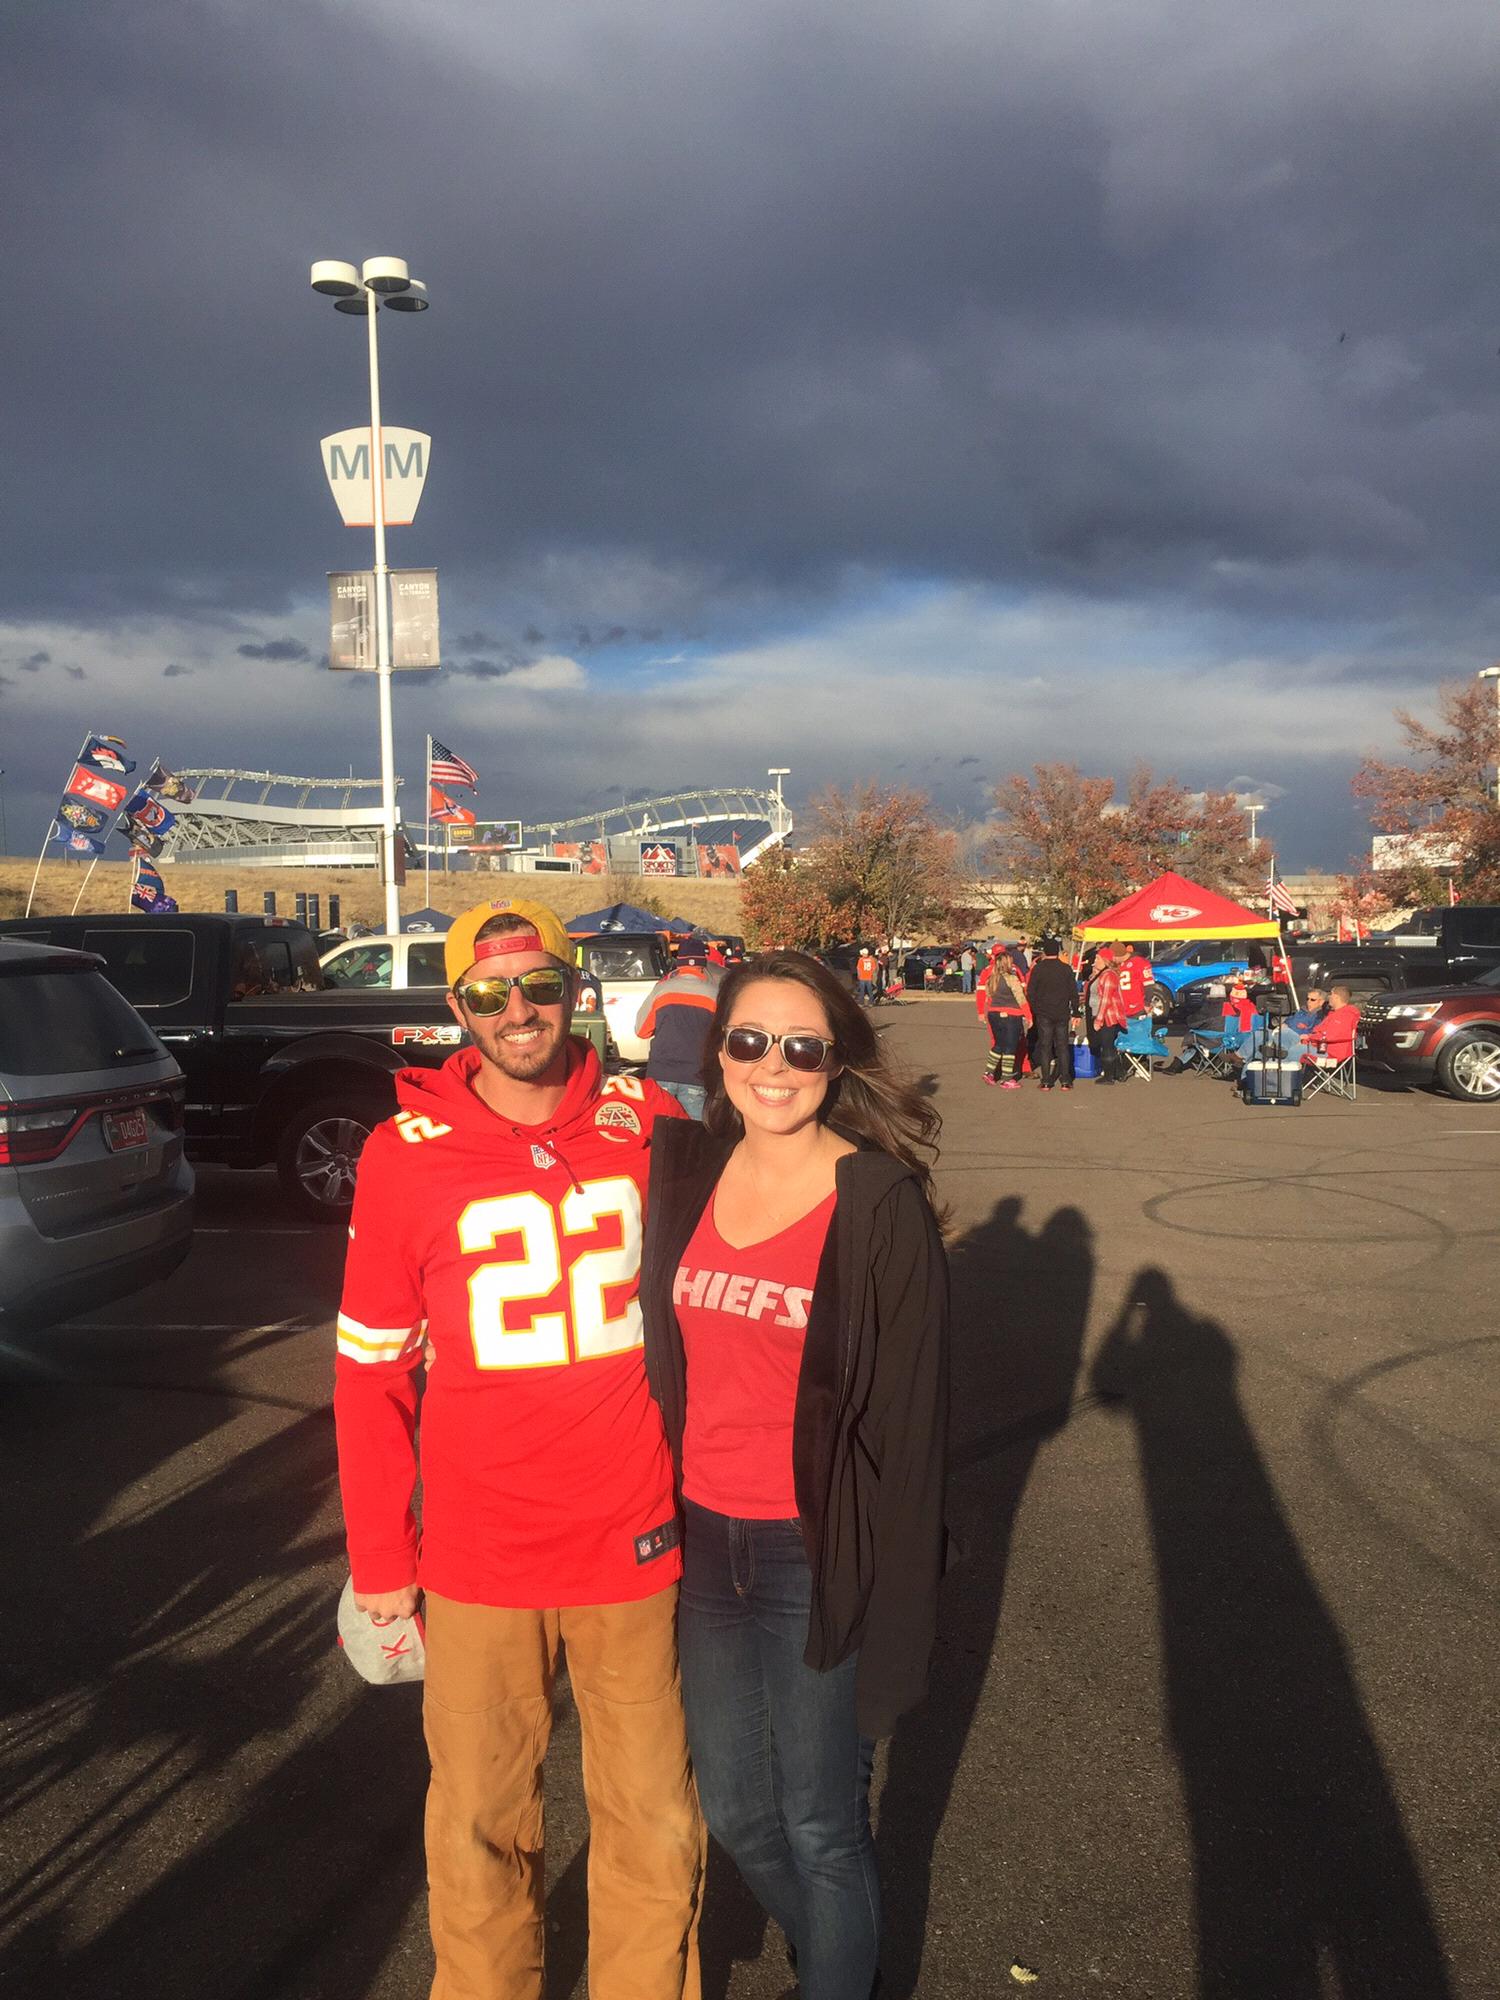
(1443, 947)
(278, 1070)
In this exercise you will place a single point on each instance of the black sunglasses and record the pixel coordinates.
(543, 987)
(750, 1045)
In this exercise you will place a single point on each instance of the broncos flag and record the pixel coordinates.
(94, 793)
(146, 823)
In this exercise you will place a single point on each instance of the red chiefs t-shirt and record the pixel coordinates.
(743, 1315)
(514, 1251)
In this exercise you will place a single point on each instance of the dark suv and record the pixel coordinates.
(96, 1197)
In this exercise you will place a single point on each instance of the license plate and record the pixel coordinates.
(124, 1129)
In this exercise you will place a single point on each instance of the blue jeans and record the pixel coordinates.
(783, 1772)
(689, 1095)
(864, 990)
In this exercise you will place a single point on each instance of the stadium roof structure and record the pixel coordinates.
(274, 826)
(710, 811)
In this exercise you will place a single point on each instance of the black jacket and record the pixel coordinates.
(869, 1437)
(1052, 990)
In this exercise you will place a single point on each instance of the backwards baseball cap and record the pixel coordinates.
(544, 932)
(381, 1654)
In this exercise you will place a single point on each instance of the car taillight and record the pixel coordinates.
(28, 1136)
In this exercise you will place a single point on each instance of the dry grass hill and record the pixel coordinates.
(716, 904)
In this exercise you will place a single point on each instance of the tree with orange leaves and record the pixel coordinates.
(1442, 799)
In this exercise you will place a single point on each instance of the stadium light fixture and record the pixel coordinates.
(1493, 674)
(778, 772)
(380, 281)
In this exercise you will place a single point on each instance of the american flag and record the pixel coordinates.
(443, 768)
(1278, 898)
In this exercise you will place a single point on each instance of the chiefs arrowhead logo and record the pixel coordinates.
(1174, 913)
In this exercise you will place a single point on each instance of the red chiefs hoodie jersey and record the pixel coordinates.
(515, 1250)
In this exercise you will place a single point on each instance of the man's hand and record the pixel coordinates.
(381, 1606)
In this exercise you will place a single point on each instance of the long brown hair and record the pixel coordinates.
(869, 1098)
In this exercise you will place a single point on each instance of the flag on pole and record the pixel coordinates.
(168, 785)
(148, 892)
(106, 753)
(1278, 899)
(443, 811)
(443, 768)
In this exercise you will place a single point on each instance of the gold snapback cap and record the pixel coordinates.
(547, 933)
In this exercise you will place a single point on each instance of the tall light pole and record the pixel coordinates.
(1493, 674)
(778, 772)
(380, 281)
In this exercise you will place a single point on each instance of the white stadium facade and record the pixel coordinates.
(273, 820)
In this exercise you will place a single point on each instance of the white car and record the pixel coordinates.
(627, 964)
(415, 958)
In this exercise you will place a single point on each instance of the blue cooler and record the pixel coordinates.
(1083, 1062)
(1271, 1083)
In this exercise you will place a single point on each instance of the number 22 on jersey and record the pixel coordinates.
(540, 1339)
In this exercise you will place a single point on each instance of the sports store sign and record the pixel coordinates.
(346, 460)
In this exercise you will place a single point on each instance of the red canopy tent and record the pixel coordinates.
(1173, 908)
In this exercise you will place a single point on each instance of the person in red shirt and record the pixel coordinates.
(796, 1301)
(1333, 1037)
(1134, 971)
(497, 1225)
(1106, 1013)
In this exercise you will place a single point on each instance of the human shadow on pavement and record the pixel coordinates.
(1020, 1310)
(200, 1796)
(1304, 1880)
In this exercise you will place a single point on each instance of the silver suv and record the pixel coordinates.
(96, 1196)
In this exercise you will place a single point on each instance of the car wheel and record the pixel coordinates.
(318, 1154)
(1160, 1002)
(1469, 1066)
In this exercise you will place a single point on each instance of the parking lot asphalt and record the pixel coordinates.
(1214, 1703)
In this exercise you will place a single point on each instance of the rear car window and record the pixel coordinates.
(360, 965)
(55, 1022)
(633, 958)
(152, 968)
(424, 964)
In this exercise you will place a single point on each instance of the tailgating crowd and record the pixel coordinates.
(1040, 1011)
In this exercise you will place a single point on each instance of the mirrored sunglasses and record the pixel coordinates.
(750, 1045)
(543, 987)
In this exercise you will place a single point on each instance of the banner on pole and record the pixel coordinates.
(351, 620)
(414, 618)
(346, 461)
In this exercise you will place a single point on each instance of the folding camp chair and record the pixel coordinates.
(1215, 1047)
(1325, 1072)
(1333, 1069)
(1140, 1046)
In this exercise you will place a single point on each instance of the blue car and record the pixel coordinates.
(1197, 965)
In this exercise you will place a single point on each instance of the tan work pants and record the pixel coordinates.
(488, 1717)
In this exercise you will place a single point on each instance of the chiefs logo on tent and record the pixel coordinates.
(1174, 913)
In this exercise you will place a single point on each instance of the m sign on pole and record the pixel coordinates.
(346, 460)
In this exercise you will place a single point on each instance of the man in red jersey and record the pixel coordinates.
(497, 1224)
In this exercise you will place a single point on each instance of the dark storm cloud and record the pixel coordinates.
(34, 662)
(972, 295)
(175, 671)
(76, 673)
(275, 649)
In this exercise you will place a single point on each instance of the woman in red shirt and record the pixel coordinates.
(795, 1296)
